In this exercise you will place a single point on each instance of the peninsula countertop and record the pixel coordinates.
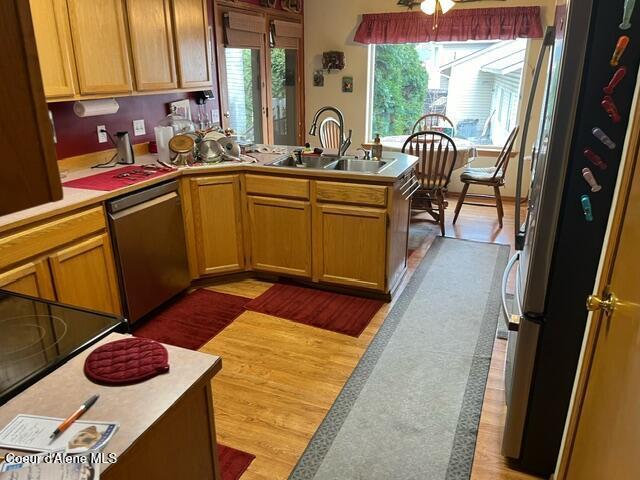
(74, 198)
(137, 408)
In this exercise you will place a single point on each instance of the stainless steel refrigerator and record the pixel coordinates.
(591, 75)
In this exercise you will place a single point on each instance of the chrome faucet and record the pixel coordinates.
(344, 143)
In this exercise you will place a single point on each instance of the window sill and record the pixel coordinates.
(489, 151)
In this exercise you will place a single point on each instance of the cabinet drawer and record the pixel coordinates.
(278, 186)
(351, 193)
(34, 241)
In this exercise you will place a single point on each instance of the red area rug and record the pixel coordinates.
(193, 319)
(233, 463)
(332, 311)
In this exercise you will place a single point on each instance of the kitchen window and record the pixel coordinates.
(477, 84)
(261, 85)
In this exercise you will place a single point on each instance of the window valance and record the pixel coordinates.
(457, 25)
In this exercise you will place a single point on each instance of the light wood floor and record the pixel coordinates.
(280, 378)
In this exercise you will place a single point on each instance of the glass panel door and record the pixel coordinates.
(244, 91)
(284, 95)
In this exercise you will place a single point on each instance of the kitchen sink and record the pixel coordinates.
(364, 166)
(346, 164)
(308, 161)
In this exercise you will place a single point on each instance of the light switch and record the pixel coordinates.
(138, 128)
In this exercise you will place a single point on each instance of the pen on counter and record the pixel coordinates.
(74, 416)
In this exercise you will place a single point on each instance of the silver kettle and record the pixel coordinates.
(124, 155)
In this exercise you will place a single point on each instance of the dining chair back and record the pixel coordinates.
(493, 177)
(437, 155)
(430, 120)
(502, 161)
(330, 134)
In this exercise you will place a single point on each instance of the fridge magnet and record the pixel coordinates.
(604, 138)
(318, 78)
(594, 158)
(333, 60)
(347, 84)
(626, 16)
(590, 178)
(610, 107)
(586, 208)
(615, 80)
(621, 46)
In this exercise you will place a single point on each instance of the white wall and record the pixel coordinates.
(331, 25)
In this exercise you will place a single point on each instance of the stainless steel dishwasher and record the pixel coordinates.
(149, 245)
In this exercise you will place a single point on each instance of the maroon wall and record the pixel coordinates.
(77, 136)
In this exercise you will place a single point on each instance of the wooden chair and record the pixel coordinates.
(490, 177)
(438, 154)
(430, 120)
(330, 134)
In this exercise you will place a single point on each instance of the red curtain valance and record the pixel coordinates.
(456, 25)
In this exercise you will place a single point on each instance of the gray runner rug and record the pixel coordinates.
(411, 408)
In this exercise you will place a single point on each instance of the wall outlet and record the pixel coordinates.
(138, 128)
(102, 134)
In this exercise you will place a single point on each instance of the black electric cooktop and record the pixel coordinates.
(37, 336)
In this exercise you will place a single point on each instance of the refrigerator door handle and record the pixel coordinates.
(549, 38)
(512, 320)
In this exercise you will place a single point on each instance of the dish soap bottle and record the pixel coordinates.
(376, 150)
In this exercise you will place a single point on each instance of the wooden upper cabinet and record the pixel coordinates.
(100, 43)
(55, 51)
(193, 47)
(151, 35)
(30, 174)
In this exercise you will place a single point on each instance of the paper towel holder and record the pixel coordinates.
(93, 108)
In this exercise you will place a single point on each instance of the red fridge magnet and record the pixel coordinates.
(610, 107)
(594, 158)
(615, 80)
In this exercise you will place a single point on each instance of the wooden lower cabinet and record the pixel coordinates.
(217, 224)
(280, 235)
(84, 275)
(350, 246)
(32, 278)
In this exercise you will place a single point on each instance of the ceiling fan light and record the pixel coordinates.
(428, 7)
(446, 5)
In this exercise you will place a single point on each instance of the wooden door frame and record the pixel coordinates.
(220, 7)
(630, 167)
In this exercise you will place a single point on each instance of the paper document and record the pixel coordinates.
(31, 433)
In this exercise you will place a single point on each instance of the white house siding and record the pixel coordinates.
(505, 86)
(236, 89)
(470, 93)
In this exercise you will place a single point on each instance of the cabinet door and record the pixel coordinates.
(280, 235)
(34, 179)
(217, 224)
(31, 278)
(53, 38)
(100, 45)
(84, 275)
(351, 246)
(193, 42)
(151, 34)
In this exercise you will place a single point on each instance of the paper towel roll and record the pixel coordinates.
(93, 108)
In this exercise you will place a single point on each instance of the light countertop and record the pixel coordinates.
(75, 198)
(136, 407)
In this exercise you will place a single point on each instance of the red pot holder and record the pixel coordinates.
(127, 361)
